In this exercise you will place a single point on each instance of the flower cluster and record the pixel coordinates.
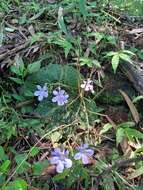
(60, 96)
(87, 85)
(61, 160)
(41, 92)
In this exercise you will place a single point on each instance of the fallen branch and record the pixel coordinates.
(13, 51)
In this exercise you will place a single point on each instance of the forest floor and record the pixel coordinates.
(63, 86)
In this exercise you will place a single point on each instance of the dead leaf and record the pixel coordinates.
(126, 147)
(49, 170)
(132, 107)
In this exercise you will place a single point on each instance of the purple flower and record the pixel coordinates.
(60, 97)
(84, 154)
(60, 159)
(87, 85)
(41, 92)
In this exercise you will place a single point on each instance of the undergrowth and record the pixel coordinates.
(68, 116)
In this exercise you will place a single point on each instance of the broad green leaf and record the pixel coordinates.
(111, 53)
(126, 124)
(4, 167)
(38, 167)
(22, 164)
(17, 80)
(51, 73)
(120, 134)
(133, 133)
(86, 61)
(18, 184)
(34, 67)
(115, 62)
(71, 76)
(125, 57)
(129, 52)
(83, 8)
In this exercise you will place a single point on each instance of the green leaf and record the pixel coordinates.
(83, 8)
(34, 151)
(105, 128)
(125, 57)
(18, 184)
(126, 124)
(4, 167)
(61, 176)
(2, 153)
(55, 137)
(120, 134)
(34, 67)
(115, 62)
(133, 133)
(17, 80)
(51, 73)
(129, 52)
(71, 76)
(138, 98)
(39, 166)
(37, 37)
(61, 23)
(111, 53)
(22, 165)
(54, 73)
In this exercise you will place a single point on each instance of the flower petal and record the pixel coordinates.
(68, 163)
(82, 85)
(45, 88)
(66, 152)
(54, 99)
(89, 152)
(60, 167)
(55, 92)
(85, 159)
(36, 93)
(85, 146)
(60, 103)
(78, 156)
(66, 96)
(40, 97)
(39, 87)
(45, 94)
(56, 152)
(54, 160)
(61, 92)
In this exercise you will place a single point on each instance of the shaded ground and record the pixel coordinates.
(79, 36)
